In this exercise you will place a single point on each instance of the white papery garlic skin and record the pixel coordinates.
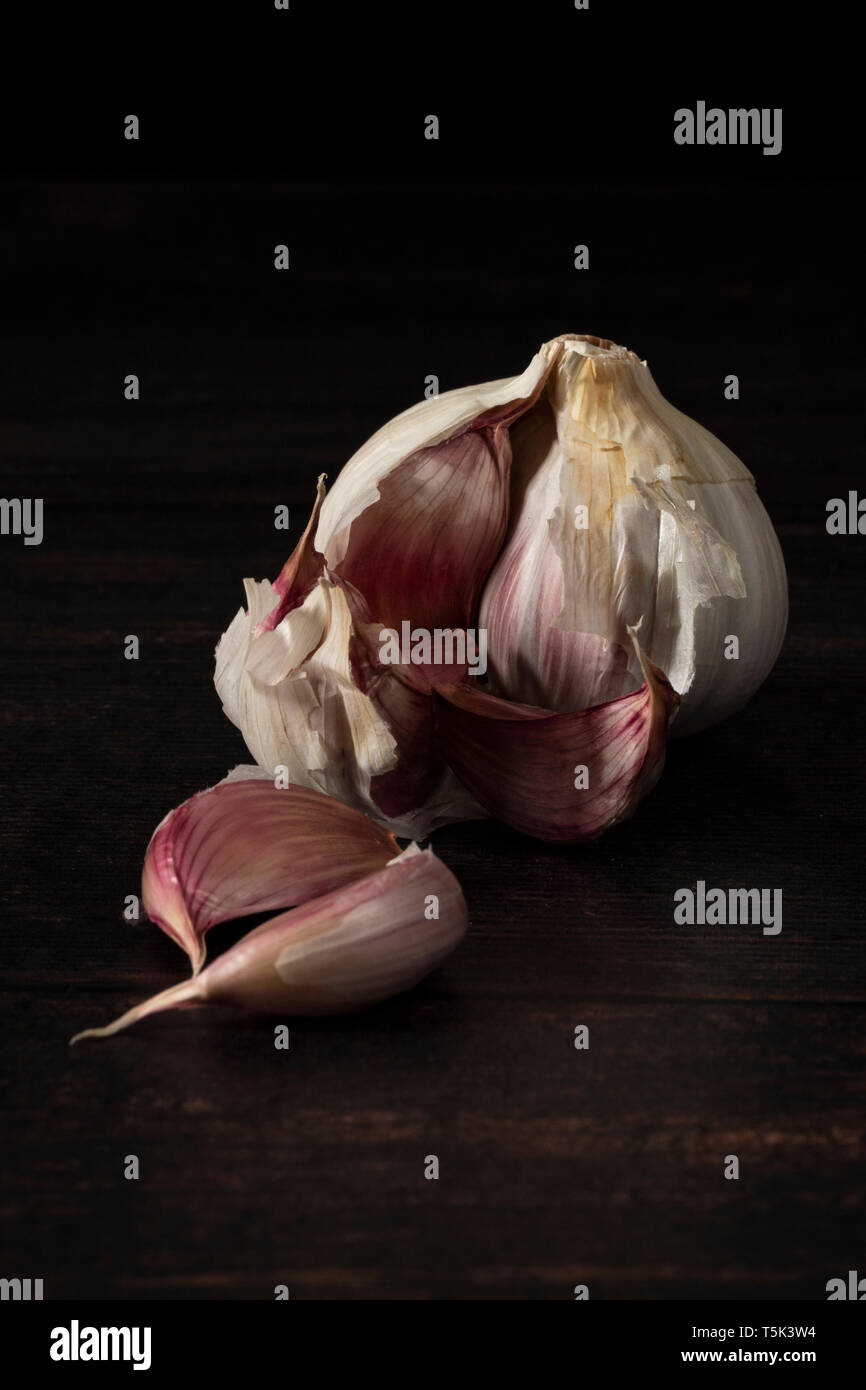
(625, 510)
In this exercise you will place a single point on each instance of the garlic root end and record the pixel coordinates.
(166, 999)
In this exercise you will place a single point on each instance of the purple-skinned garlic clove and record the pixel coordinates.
(558, 776)
(247, 846)
(346, 950)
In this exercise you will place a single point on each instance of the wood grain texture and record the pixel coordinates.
(306, 1168)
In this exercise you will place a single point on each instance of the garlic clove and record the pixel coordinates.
(245, 846)
(354, 947)
(622, 506)
(539, 651)
(423, 426)
(556, 776)
(349, 949)
(422, 553)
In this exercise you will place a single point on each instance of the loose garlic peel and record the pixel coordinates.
(558, 510)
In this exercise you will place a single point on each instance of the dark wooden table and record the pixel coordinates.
(306, 1167)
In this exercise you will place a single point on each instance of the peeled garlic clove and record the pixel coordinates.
(566, 777)
(622, 506)
(346, 950)
(245, 846)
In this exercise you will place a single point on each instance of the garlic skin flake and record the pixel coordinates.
(348, 949)
(292, 693)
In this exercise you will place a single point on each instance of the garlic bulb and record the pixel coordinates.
(556, 514)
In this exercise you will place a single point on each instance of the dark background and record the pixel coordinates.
(306, 1168)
